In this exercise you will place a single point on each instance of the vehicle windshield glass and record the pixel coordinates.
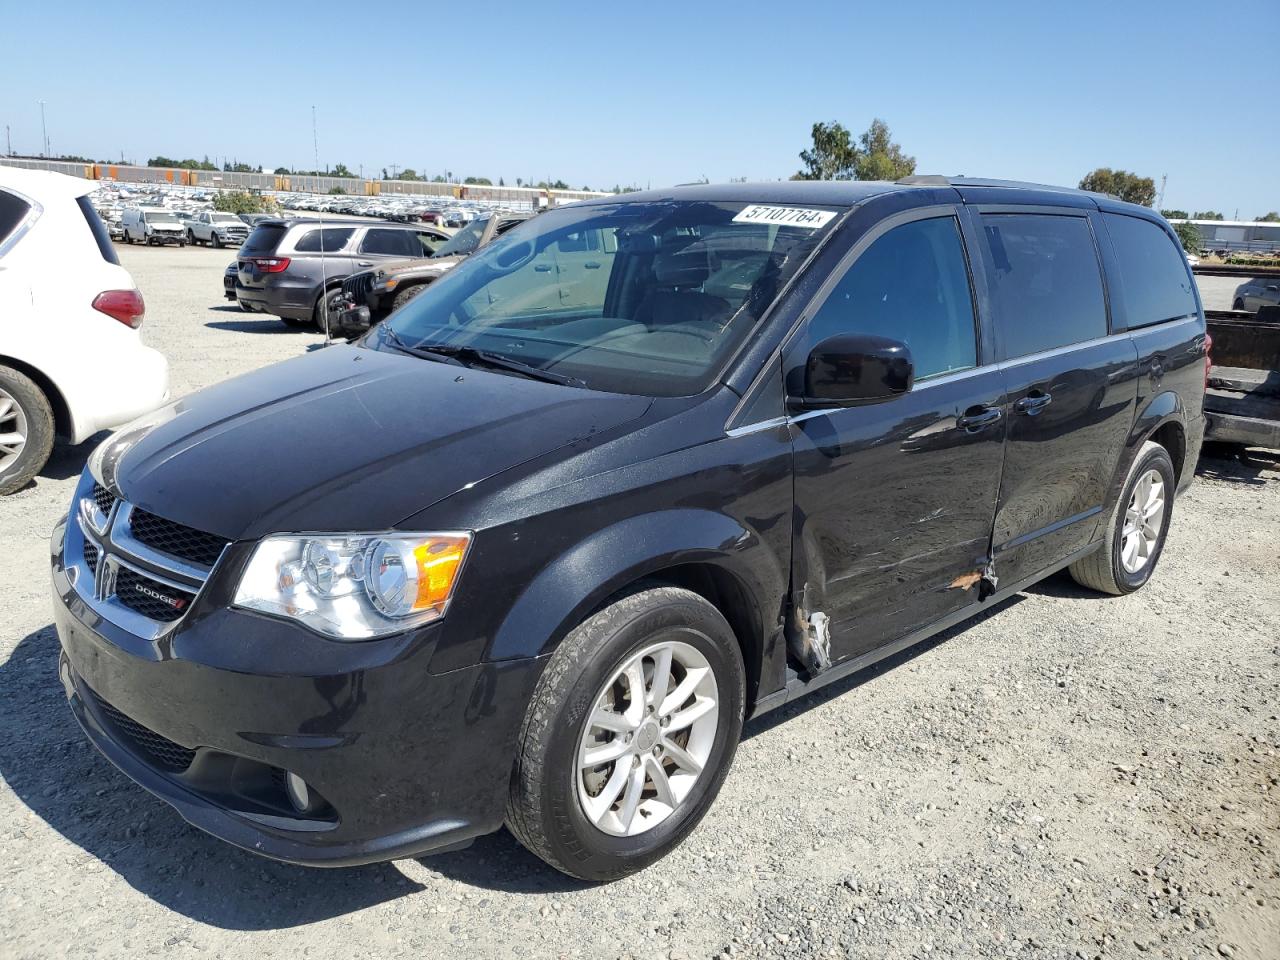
(464, 241)
(226, 218)
(637, 297)
(160, 218)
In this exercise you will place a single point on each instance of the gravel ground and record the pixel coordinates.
(1075, 777)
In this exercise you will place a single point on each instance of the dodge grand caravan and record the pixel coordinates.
(531, 550)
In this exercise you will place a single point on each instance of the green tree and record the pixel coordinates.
(1121, 183)
(832, 156)
(1189, 237)
(337, 191)
(242, 201)
(478, 181)
(1272, 217)
(1175, 214)
(879, 158)
(408, 173)
(281, 171)
(340, 170)
(1207, 215)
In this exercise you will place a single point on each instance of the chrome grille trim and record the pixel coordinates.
(117, 548)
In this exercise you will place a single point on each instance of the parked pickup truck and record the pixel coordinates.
(218, 229)
(370, 296)
(1242, 399)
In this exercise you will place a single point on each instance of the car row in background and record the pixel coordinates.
(290, 267)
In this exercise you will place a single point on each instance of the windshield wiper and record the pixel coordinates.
(473, 357)
(420, 352)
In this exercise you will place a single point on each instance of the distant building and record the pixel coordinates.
(1236, 235)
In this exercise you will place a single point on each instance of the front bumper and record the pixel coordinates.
(406, 762)
(176, 238)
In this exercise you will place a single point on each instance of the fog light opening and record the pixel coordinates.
(299, 794)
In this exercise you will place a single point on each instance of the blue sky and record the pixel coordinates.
(656, 93)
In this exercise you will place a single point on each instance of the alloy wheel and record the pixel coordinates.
(648, 738)
(13, 430)
(1143, 522)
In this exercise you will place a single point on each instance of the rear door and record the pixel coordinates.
(895, 500)
(380, 244)
(1071, 383)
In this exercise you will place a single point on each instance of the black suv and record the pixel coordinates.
(533, 548)
(287, 267)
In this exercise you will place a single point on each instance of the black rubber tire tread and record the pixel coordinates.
(525, 814)
(1099, 570)
(40, 429)
(408, 293)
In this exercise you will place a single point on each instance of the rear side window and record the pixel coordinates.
(1046, 282)
(912, 285)
(263, 239)
(396, 243)
(327, 240)
(1153, 271)
(101, 235)
(13, 210)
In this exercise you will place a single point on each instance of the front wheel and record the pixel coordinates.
(629, 735)
(26, 430)
(1136, 529)
(216, 241)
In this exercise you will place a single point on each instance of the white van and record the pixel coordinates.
(71, 359)
(154, 225)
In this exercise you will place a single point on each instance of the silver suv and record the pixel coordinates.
(286, 267)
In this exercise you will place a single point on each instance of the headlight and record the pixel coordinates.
(354, 586)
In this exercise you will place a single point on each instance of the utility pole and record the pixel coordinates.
(44, 131)
(1164, 178)
(394, 168)
(8, 142)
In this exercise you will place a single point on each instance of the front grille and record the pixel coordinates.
(91, 556)
(153, 599)
(358, 287)
(163, 752)
(103, 498)
(186, 543)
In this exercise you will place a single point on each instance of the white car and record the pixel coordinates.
(71, 359)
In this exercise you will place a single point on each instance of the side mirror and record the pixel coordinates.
(846, 371)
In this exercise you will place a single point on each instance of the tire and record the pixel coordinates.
(244, 307)
(1238, 305)
(408, 293)
(23, 409)
(1104, 569)
(217, 244)
(191, 237)
(546, 807)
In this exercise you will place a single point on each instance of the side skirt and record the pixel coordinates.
(798, 687)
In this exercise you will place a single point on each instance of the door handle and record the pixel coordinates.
(364, 263)
(976, 419)
(543, 268)
(592, 264)
(1033, 403)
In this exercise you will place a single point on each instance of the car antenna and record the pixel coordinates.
(324, 279)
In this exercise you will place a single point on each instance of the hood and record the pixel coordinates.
(345, 439)
(403, 269)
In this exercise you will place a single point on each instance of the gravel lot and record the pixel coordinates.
(1075, 777)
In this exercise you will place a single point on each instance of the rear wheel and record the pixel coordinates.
(26, 429)
(1136, 529)
(1238, 305)
(629, 735)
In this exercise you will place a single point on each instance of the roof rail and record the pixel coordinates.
(962, 181)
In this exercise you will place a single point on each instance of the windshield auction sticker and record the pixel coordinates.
(785, 216)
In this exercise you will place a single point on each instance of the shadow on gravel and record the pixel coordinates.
(48, 764)
(258, 324)
(497, 862)
(839, 688)
(69, 461)
(1238, 464)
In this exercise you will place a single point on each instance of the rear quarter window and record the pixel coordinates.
(13, 211)
(263, 239)
(1046, 281)
(1153, 271)
(327, 240)
(101, 235)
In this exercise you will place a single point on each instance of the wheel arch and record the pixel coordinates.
(710, 554)
(63, 422)
(1162, 419)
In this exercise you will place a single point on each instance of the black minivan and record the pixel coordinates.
(531, 550)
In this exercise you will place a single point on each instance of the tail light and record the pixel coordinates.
(1208, 357)
(123, 305)
(272, 264)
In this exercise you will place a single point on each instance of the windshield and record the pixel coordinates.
(464, 241)
(160, 218)
(226, 218)
(642, 297)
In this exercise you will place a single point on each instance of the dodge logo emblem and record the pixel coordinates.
(176, 602)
